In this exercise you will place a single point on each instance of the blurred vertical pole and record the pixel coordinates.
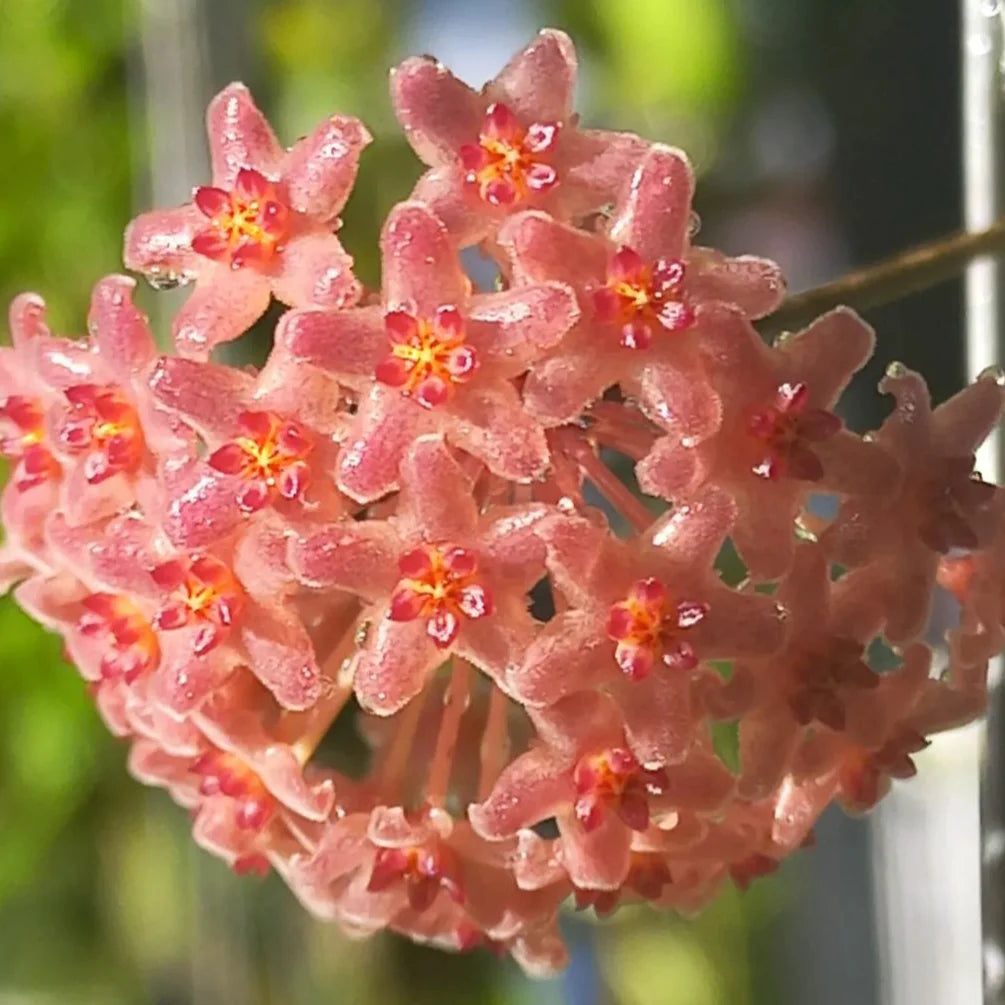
(982, 55)
(189, 49)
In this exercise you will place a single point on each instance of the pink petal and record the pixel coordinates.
(240, 137)
(489, 422)
(436, 496)
(183, 681)
(359, 557)
(349, 344)
(764, 533)
(702, 783)
(855, 466)
(319, 172)
(516, 327)
(438, 112)
(509, 544)
(89, 492)
(559, 388)
(536, 84)
(159, 244)
(284, 777)
(200, 506)
(534, 787)
(733, 349)
(755, 285)
(828, 352)
(586, 565)
(657, 713)
(208, 396)
(962, 423)
(691, 535)
(768, 738)
(119, 330)
(313, 270)
(395, 666)
(468, 219)
(541, 249)
(420, 265)
(223, 306)
(572, 653)
(598, 859)
(497, 642)
(676, 395)
(387, 422)
(654, 216)
(739, 625)
(27, 319)
(119, 557)
(595, 167)
(281, 655)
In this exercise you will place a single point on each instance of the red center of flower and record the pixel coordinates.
(785, 429)
(646, 627)
(427, 357)
(754, 866)
(424, 869)
(227, 775)
(103, 424)
(119, 624)
(22, 432)
(613, 780)
(247, 224)
(641, 298)
(862, 773)
(270, 455)
(947, 500)
(439, 585)
(509, 162)
(824, 679)
(203, 591)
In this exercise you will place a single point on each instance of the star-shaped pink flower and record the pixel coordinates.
(253, 803)
(582, 773)
(640, 284)
(820, 679)
(84, 423)
(831, 765)
(778, 438)
(639, 618)
(264, 227)
(516, 144)
(433, 358)
(940, 504)
(270, 446)
(178, 624)
(437, 579)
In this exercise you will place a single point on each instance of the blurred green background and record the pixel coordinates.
(103, 899)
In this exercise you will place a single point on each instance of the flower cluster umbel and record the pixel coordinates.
(418, 505)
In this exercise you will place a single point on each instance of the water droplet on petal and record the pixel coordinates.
(995, 373)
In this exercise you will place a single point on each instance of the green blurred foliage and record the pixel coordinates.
(103, 898)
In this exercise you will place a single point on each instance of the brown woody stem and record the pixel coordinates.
(893, 279)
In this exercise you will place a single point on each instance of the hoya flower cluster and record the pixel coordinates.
(418, 512)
